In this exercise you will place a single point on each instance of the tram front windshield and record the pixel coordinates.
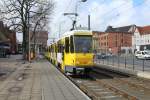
(83, 44)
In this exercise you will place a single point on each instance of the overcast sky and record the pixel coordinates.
(103, 13)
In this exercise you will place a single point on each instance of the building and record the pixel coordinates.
(8, 37)
(39, 41)
(114, 40)
(119, 39)
(96, 41)
(141, 38)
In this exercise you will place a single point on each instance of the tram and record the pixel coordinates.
(73, 52)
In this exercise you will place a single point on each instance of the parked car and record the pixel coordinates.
(142, 54)
(109, 55)
(101, 55)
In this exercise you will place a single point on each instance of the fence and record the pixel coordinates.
(125, 61)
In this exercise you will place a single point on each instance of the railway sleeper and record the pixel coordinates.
(90, 93)
(118, 91)
(112, 97)
(100, 93)
(98, 89)
(137, 85)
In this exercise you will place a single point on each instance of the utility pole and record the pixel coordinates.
(89, 21)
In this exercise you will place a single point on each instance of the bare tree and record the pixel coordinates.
(25, 14)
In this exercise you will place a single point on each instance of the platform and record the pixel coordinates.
(38, 81)
(122, 69)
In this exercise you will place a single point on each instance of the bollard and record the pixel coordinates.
(113, 61)
(107, 60)
(143, 64)
(125, 62)
(133, 62)
(118, 60)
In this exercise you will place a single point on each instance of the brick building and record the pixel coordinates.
(114, 40)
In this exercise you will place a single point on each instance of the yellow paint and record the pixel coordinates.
(79, 59)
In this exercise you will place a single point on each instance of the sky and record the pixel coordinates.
(115, 13)
(103, 13)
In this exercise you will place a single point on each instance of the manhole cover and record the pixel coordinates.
(15, 89)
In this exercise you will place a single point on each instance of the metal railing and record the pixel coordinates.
(124, 61)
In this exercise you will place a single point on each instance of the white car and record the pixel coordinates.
(142, 55)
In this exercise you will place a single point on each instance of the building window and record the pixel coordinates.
(105, 43)
(116, 43)
(122, 40)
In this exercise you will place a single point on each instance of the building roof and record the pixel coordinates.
(144, 30)
(125, 29)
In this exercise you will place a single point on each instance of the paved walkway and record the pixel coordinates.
(38, 81)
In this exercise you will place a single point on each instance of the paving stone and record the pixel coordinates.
(43, 82)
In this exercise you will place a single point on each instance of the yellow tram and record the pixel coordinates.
(73, 52)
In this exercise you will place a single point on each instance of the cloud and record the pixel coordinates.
(61, 23)
(110, 12)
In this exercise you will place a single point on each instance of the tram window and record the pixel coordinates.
(67, 44)
(71, 44)
(83, 44)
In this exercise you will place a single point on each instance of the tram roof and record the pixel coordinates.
(74, 32)
(77, 32)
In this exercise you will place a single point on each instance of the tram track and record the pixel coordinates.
(103, 84)
(109, 85)
(100, 90)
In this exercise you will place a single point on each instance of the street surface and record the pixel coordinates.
(38, 80)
